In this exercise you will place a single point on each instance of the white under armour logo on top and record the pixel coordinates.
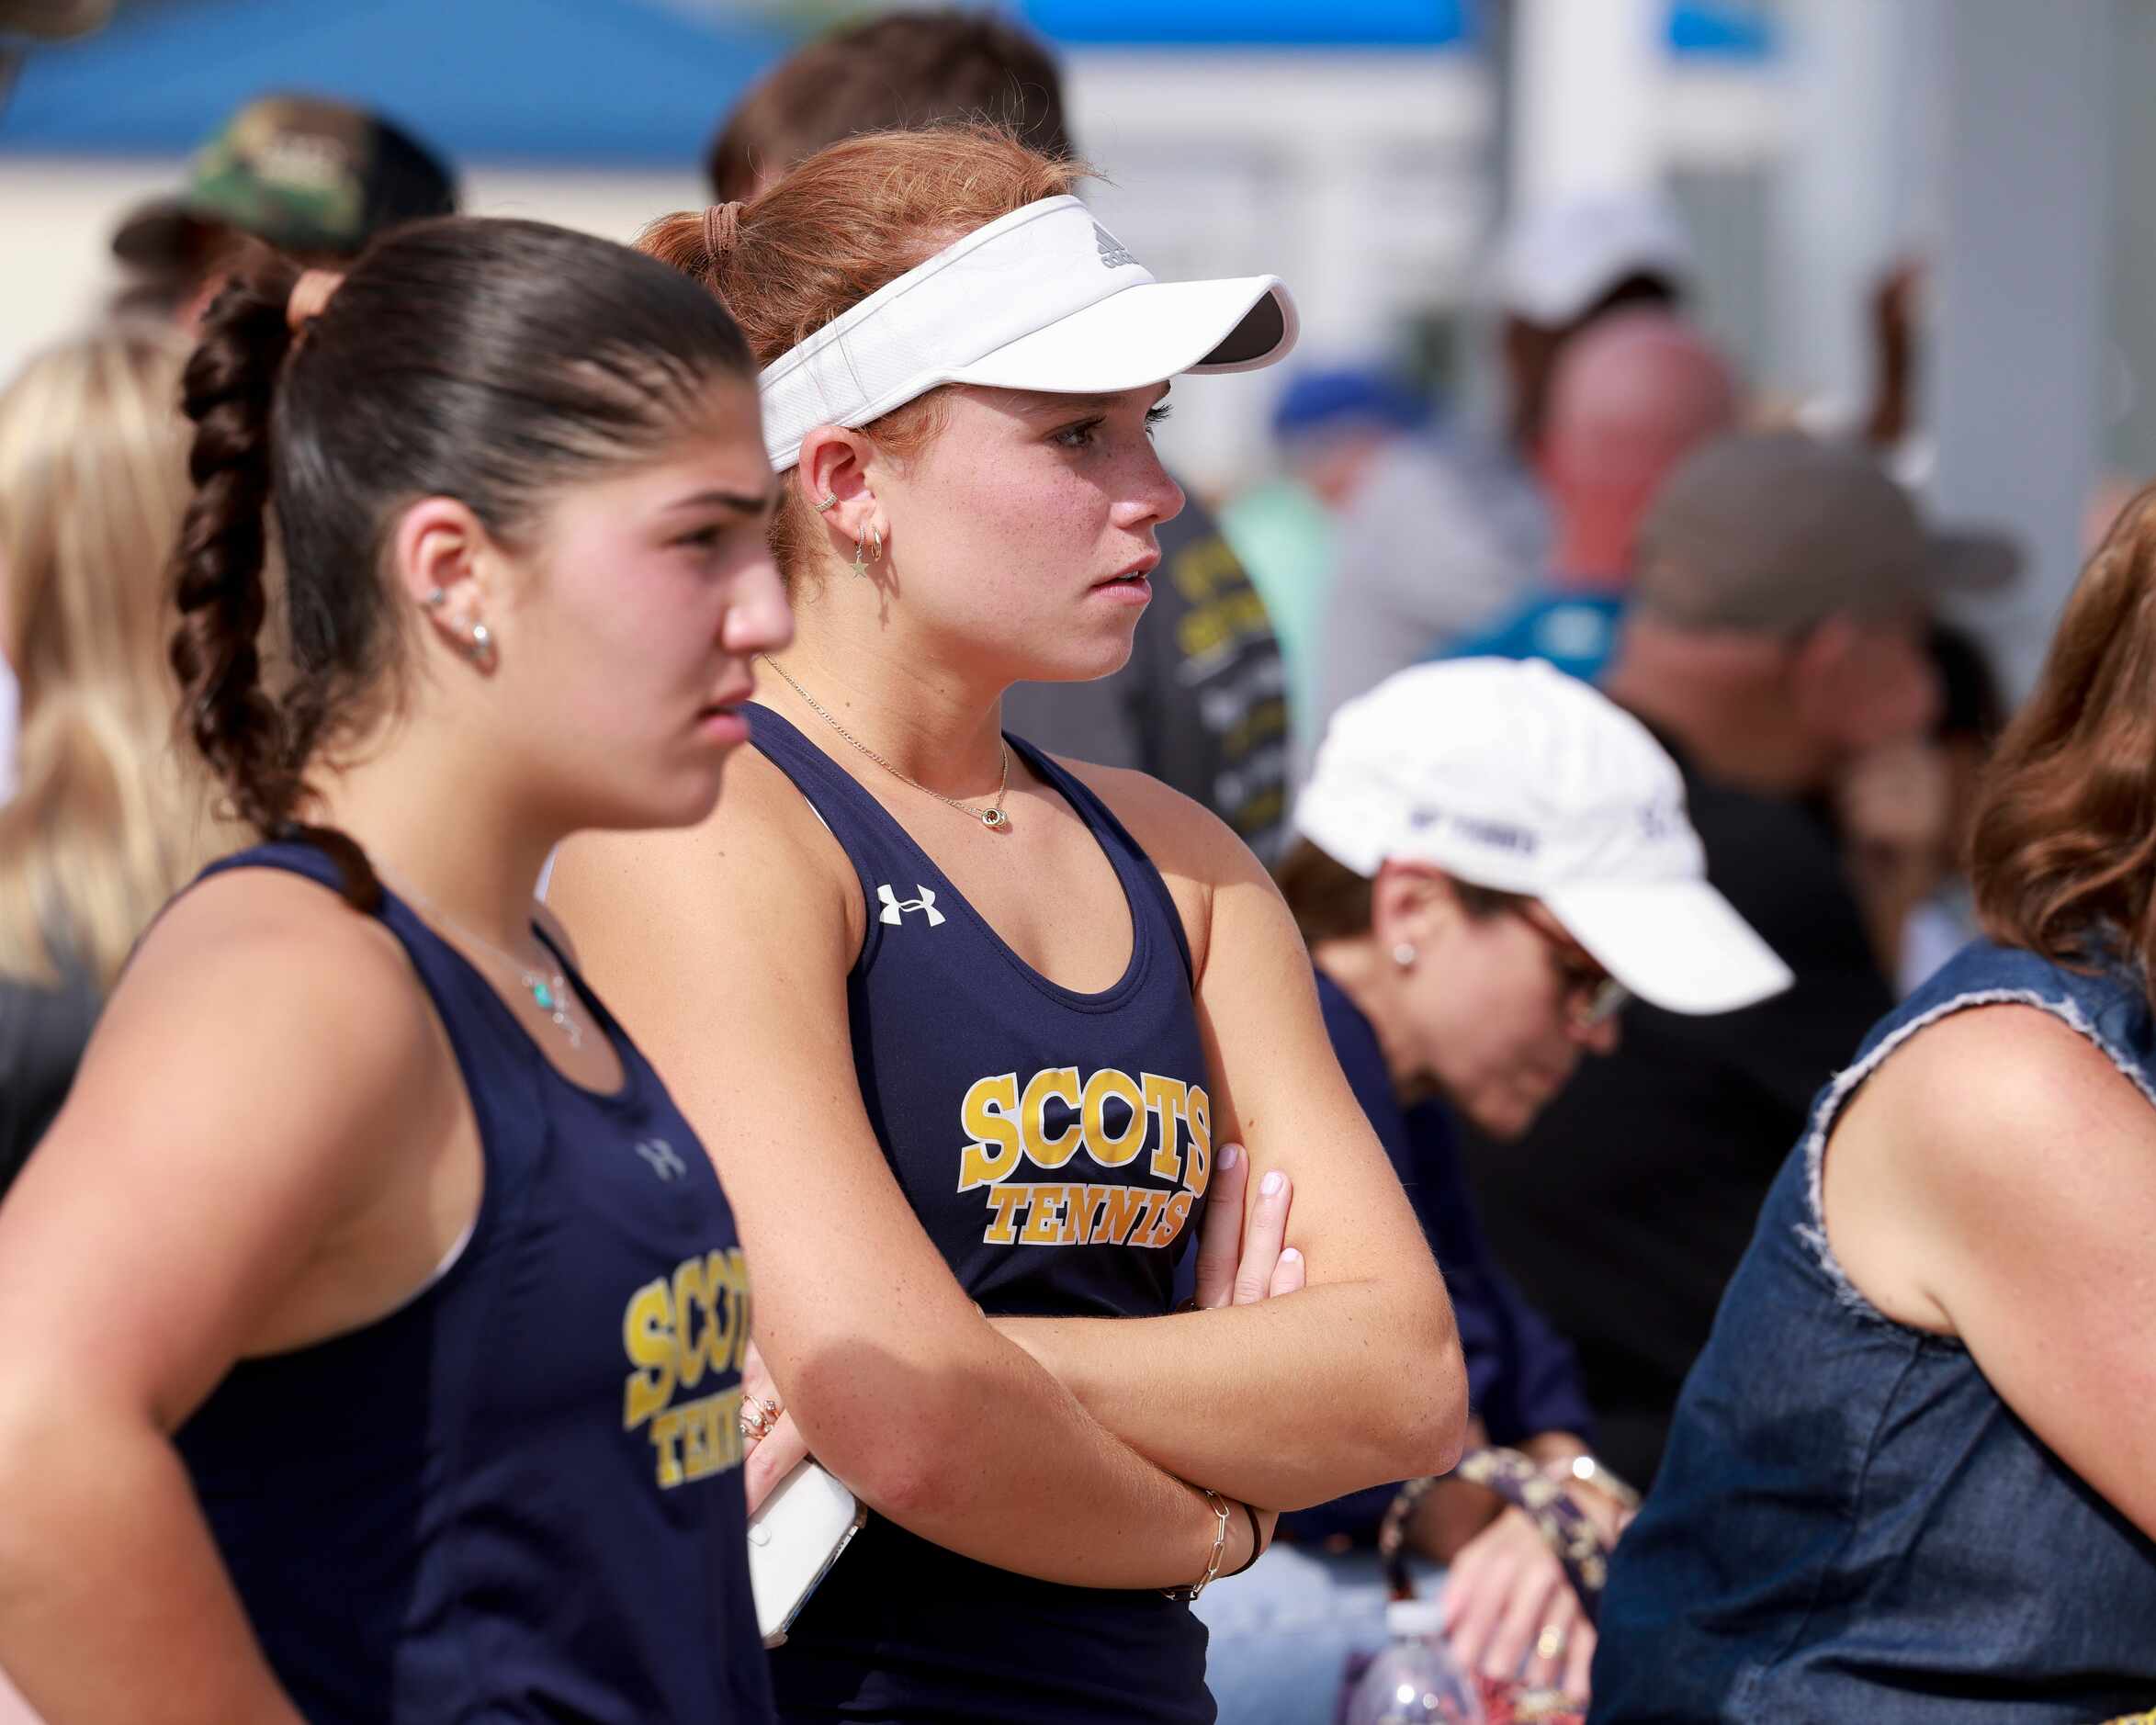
(896, 907)
(664, 1161)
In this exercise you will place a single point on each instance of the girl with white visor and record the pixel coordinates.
(968, 1025)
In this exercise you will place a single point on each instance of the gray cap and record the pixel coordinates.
(1775, 531)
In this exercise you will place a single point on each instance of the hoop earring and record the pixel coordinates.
(867, 551)
(828, 503)
(482, 650)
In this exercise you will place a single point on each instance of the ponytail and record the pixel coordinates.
(229, 390)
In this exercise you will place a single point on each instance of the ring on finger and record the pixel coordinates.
(1550, 1644)
(758, 1416)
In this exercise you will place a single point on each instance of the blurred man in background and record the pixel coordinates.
(1629, 400)
(313, 178)
(1439, 535)
(1202, 702)
(1777, 634)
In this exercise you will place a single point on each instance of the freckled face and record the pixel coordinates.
(1021, 537)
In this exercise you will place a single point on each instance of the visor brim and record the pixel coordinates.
(1148, 333)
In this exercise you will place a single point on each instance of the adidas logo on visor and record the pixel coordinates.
(1112, 255)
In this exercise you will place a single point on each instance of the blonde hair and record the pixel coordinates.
(109, 816)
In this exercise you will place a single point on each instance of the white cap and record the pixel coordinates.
(1419, 1619)
(1512, 776)
(1044, 299)
(1553, 263)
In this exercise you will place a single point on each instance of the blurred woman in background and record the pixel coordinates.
(108, 816)
(1493, 858)
(1913, 1477)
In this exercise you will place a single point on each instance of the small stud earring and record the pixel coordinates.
(437, 598)
(1405, 956)
(482, 650)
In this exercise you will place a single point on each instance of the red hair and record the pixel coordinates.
(850, 220)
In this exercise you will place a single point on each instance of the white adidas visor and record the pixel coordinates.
(1044, 299)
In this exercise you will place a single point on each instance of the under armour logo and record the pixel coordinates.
(661, 1156)
(1112, 255)
(896, 907)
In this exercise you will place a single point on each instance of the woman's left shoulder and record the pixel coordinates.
(1185, 839)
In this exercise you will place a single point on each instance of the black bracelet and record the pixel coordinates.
(1256, 1542)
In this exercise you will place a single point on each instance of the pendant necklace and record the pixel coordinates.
(992, 817)
(548, 988)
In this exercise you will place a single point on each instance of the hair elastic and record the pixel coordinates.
(722, 226)
(310, 296)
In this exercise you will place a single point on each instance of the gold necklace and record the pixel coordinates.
(992, 817)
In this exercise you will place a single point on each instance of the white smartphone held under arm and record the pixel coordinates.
(794, 1539)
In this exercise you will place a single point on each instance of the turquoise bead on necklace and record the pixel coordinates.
(549, 991)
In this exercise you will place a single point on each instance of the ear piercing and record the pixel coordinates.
(1405, 956)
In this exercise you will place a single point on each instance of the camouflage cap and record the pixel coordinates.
(305, 175)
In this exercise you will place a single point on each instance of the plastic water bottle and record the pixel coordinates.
(1416, 1679)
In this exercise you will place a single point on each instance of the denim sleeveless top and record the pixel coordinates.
(517, 1496)
(1850, 1524)
(1056, 1147)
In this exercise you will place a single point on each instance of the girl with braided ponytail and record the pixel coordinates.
(373, 1319)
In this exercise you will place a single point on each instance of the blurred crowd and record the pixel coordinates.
(1619, 761)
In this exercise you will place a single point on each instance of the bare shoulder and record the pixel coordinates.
(258, 971)
(1990, 1097)
(765, 846)
(1183, 837)
(1216, 879)
(2006, 1063)
(266, 1033)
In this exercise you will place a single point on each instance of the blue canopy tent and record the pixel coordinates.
(603, 82)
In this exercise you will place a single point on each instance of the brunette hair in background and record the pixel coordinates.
(1330, 902)
(849, 220)
(2063, 853)
(900, 71)
(492, 361)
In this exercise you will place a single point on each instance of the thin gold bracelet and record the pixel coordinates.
(1220, 1511)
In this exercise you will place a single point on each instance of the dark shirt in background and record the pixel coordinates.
(1521, 1379)
(43, 1030)
(1203, 703)
(1624, 1210)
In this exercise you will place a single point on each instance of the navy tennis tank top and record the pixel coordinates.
(519, 1496)
(1056, 1147)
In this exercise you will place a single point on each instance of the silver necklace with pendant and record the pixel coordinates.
(548, 988)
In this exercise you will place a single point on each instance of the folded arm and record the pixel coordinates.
(898, 1384)
(1358, 1380)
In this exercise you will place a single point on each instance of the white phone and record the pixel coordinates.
(794, 1539)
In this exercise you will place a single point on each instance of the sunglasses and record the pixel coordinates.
(1592, 996)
